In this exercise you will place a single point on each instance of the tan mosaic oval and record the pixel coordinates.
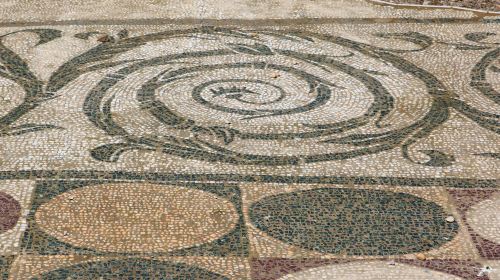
(136, 217)
(371, 270)
(484, 218)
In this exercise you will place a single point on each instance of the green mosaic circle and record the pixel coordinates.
(130, 269)
(354, 222)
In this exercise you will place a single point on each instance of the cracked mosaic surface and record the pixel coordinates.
(333, 148)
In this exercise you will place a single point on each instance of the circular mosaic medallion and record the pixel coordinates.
(371, 270)
(353, 222)
(484, 218)
(130, 269)
(136, 217)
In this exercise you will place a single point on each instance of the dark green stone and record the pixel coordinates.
(5, 263)
(353, 222)
(134, 268)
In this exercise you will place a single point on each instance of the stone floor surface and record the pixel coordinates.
(254, 140)
(485, 5)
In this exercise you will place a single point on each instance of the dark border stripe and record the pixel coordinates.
(249, 22)
(452, 182)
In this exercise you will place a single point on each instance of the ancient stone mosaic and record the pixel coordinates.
(251, 150)
(480, 5)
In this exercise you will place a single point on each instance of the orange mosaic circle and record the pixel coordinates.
(136, 217)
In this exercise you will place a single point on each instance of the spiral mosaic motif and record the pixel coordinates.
(254, 152)
(214, 92)
(217, 91)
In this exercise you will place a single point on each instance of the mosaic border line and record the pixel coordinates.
(451, 182)
(250, 22)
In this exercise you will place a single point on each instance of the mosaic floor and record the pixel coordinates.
(484, 5)
(362, 146)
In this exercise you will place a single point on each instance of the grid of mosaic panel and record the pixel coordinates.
(341, 150)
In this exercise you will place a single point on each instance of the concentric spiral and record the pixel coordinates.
(211, 93)
(244, 93)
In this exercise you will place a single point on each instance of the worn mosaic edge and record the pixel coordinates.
(451, 182)
(427, 6)
(251, 22)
